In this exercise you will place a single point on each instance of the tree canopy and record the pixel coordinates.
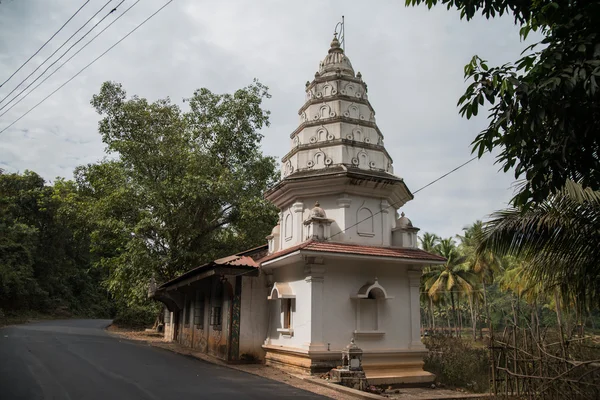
(188, 184)
(178, 188)
(545, 106)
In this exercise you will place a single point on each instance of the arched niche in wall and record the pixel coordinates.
(368, 303)
(356, 134)
(288, 227)
(319, 159)
(325, 112)
(353, 112)
(349, 90)
(366, 224)
(363, 160)
(328, 90)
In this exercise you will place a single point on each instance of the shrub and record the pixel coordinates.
(457, 363)
(135, 317)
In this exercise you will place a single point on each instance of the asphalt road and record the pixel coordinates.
(77, 360)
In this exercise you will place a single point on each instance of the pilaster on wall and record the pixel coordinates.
(414, 282)
(298, 209)
(314, 272)
(385, 223)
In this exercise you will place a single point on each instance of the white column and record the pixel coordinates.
(344, 202)
(386, 230)
(414, 280)
(315, 276)
(297, 209)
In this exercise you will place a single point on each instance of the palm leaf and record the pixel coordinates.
(559, 239)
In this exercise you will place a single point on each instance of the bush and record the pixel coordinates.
(457, 363)
(135, 317)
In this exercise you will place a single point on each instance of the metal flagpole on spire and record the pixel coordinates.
(340, 32)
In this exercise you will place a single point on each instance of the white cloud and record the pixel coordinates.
(411, 58)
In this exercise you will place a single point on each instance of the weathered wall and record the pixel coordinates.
(253, 317)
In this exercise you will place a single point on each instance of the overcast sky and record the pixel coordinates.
(411, 58)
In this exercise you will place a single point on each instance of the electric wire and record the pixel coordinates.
(415, 192)
(87, 66)
(391, 205)
(55, 51)
(44, 45)
(61, 56)
(69, 59)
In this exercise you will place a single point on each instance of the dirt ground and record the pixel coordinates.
(156, 340)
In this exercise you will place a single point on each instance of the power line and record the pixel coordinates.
(415, 192)
(69, 59)
(55, 51)
(87, 66)
(44, 45)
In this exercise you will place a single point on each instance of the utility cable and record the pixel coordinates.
(44, 45)
(391, 205)
(415, 192)
(61, 56)
(69, 59)
(87, 66)
(55, 51)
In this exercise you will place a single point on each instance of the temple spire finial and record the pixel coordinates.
(339, 35)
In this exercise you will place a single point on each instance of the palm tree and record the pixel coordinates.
(451, 279)
(485, 264)
(558, 239)
(429, 242)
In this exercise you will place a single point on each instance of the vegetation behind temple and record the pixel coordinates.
(180, 188)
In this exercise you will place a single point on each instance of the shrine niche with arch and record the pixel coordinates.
(288, 168)
(365, 222)
(369, 299)
(355, 135)
(288, 226)
(363, 159)
(350, 90)
(321, 135)
(328, 90)
(353, 111)
(325, 112)
(319, 160)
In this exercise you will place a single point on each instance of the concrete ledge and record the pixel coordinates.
(342, 389)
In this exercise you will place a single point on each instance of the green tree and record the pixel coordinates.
(429, 241)
(44, 256)
(451, 279)
(558, 239)
(545, 107)
(187, 186)
(484, 264)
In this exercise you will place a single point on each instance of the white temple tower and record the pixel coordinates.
(341, 264)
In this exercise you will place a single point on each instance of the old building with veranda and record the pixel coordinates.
(340, 264)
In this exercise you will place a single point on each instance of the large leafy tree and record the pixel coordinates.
(545, 107)
(186, 188)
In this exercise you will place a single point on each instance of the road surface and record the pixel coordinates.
(78, 360)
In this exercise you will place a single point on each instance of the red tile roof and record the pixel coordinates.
(348, 248)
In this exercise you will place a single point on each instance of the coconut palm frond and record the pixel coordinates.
(559, 239)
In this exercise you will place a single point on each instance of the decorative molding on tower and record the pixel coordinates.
(337, 156)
